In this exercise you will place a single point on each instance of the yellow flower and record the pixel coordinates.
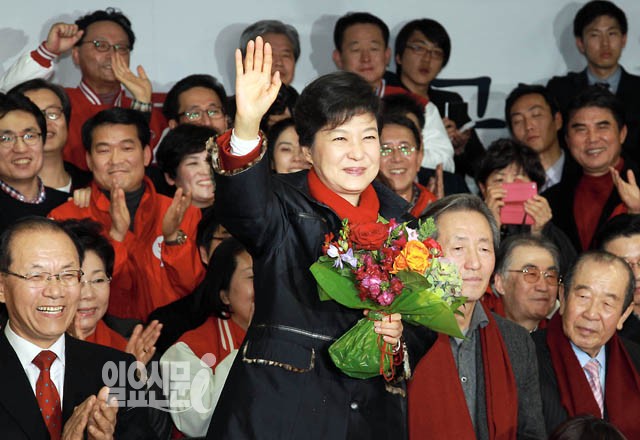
(415, 256)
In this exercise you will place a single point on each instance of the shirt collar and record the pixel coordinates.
(613, 80)
(583, 357)
(554, 172)
(27, 351)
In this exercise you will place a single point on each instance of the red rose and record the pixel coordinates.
(369, 236)
(433, 246)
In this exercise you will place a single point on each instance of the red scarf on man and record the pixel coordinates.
(437, 407)
(365, 212)
(425, 198)
(622, 382)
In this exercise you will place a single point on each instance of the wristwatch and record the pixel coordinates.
(181, 238)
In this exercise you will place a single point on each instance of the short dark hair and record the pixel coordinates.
(110, 14)
(171, 105)
(353, 18)
(331, 100)
(18, 102)
(623, 225)
(286, 100)
(595, 9)
(116, 116)
(594, 96)
(183, 140)
(274, 133)
(207, 226)
(463, 203)
(90, 235)
(586, 427)
(599, 256)
(504, 152)
(529, 89)
(403, 104)
(259, 28)
(505, 251)
(222, 265)
(402, 121)
(31, 223)
(432, 30)
(39, 84)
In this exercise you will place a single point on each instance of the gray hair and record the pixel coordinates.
(505, 252)
(262, 27)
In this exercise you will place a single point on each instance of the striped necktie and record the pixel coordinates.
(593, 376)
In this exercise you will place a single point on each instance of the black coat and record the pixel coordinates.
(283, 384)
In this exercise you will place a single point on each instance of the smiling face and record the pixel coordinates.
(628, 248)
(194, 174)
(400, 170)
(288, 156)
(283, 57)
(347, 157)
(46, 100)
(96, 66)
(363, 52)
(533, 124)
(20, 163)
(118, 157)
(94, 297)
(593, 308)
(421, 62)
(40, 315)
(595, 140)
(200, 99)
(466, 239)
(601, 43)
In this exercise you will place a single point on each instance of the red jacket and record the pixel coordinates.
(217, 336)
(147, 274)
(103, 335)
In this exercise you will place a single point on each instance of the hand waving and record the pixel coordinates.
(139, 86)
(628, 191)
(62, 37)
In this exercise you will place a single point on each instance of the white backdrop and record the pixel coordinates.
(509, 41)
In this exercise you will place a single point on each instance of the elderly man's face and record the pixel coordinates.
(628, 248)
(284, 60)
(40, 314)
(593, 308)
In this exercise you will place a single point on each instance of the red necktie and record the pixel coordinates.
(47, 394)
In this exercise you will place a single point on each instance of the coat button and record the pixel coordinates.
(354, 406)
(463, 379)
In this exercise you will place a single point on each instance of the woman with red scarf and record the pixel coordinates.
(283, 383)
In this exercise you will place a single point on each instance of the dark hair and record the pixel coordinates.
(110, 14)
(39, 84)
(183, 140)
(31, 224)
(463, 203)
(286, 99)
(403, 121)
(595, 9)
(403, 104)
(259, 28)
(90, 235)
(432, 30)
(353, 18)
(119, 116)
(274, 133)
(18, 102)
(529, 89)
(599, 256)
(222, 265)
(623, 225)
(331, 100)
(594, 96)
(505, 251)
(171, 105)
(586, 427)
(207, 226)
(504, 152)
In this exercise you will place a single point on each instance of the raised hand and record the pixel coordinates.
(139, 86)
(76, 424)
(142, 341)
(175, 213)
(120, 217)
(538, 208)
(494, 198)
(102, 419)
(256, 88)
(62, 37)
(436, 183)
(458, 138)
(628, 191)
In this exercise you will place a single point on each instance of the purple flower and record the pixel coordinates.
(386, 298)
(349, 258)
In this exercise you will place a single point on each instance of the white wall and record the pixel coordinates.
(510, 41)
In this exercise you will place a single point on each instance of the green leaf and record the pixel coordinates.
(338, 287)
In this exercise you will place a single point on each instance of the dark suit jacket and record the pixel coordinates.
(19, 413)
(564, 88)
(554, 412)
(631, 328)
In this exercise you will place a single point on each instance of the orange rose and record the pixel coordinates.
(414, 256)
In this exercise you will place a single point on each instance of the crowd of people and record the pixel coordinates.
(170, 235)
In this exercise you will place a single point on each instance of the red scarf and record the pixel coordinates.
(217, 336)
(365, 212)
(104, 335)
(425, 197)
(437, 407)
(622, 382)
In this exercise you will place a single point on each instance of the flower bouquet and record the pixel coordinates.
(386, 267)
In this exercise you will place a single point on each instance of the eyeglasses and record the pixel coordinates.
(419, 49)
(405, 149)
(105, 46)
(213, 113)
(52, 113)
(532, 275)
(30, 138)
(67, 278)
(98, 283)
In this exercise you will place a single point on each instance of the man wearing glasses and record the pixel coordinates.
(526, 276)
(100, 44)
(22, 192)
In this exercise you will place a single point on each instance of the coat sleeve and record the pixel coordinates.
(437, 146)
(31, 65)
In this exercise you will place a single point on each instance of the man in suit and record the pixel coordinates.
(585, 367)
(600, 30)
(64, 398)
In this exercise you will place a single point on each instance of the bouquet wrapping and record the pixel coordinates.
(386, 267)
